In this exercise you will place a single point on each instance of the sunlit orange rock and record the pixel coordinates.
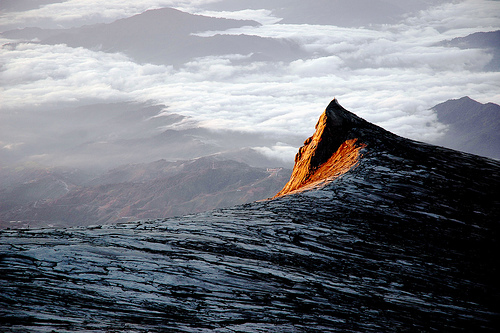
(329, 153)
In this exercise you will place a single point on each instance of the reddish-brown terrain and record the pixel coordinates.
(134, 192)
(325, 155)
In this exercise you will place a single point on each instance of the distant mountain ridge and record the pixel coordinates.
(489, 40)
(165, 36)
(472, 126)
(134, 192)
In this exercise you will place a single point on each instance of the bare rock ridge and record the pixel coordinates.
(405, 241)
(334, 149)
(343, 142)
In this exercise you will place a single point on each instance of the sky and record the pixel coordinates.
(390, 74)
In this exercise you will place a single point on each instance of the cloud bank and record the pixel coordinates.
(390, 75)
(71, 13)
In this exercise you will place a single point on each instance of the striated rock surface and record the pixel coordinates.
(405, 241)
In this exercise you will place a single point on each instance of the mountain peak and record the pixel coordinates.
(333, 150)
(473, 127)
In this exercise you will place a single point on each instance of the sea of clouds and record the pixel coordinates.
(388, 74)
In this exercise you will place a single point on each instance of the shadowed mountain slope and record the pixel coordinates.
(472, 126)
(404, 241)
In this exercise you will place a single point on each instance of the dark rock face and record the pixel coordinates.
(406, 241)
(333, 128)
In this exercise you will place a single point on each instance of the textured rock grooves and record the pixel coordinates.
(329, 153)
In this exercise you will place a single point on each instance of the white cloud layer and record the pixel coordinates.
(281, 151)
(391, 75)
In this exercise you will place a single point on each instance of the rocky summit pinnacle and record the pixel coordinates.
(333, 149)
(405, 240)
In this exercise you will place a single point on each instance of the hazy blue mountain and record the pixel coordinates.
(132, 192)
(86, 141)
(25, 186)
(473, 127)
(481, 40)
(164, 36)
(406, 240)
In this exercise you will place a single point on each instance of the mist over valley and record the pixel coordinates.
(249, 166)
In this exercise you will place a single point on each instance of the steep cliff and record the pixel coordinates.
(333, 150)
